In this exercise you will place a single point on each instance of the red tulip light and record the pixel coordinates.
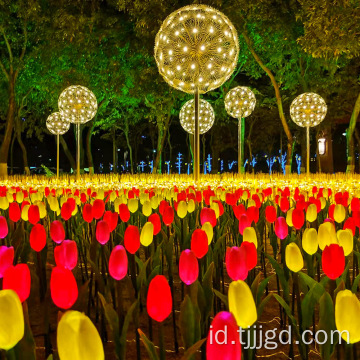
(251, 254)
(244, 222)
(87, 213)
(124, 212)
(102, 232)
(168, 216)
(155, 220)
(6, 259)
(57, 232)
(66, 211)
(33, 214)
(98, 208)
(18, 278)
(63, 287)
(14, 212)
(281, 228)
(270, 213)
(208, 215)
(38, 237)
(333, 261)
(188, 267)
(298, 218)
(199, 243)
(223, 341)
(159, 299)
(118, 263)
(111, 219)
(66, 254)
(132, 239)
(235, 261)
(4, 230)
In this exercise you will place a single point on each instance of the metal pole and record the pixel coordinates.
(308, 150)
(57, 155)
(78, 151)
(197, 138)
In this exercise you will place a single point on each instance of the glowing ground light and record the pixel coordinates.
(206, 116)
(78, 104)
(240, 102)
(196, 46)
(56, 124)
(308, 110)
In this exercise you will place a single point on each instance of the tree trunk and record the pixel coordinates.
(12, 155)
(278, 101)
(349, 137)
(88, 148)
(130, 150)
(68, 153)
(24, 152)
(10, 117)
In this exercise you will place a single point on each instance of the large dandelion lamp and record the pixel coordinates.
(78, 104)
(196, 50)
(57, 125)
(308, 110)
(239, 103)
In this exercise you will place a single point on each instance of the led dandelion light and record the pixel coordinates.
(196, 50)
(78, 104)
(239, 103)
(206, 117)
(57, 125)
(308, 110)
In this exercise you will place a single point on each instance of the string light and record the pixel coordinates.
(206, 116)
(240, 102)
(200, 38)
(308, 110)
(78, 104)
(56, 124)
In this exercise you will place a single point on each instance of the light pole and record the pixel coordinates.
(78, 104)
(240, 103)
(308, 110)
(196, 50)
(57, 125)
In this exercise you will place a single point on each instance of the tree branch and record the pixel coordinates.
(8, 47)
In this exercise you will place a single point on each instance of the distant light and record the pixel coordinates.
(344, 134)
(322, 146)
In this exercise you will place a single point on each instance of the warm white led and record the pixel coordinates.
(77, 104)
(207, 36)
(308, 110)
(206, 116)
(56, 124)
(240, 102)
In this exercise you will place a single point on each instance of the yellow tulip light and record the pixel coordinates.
(78, 339)
(308, 110)
(249, 235)
(206, 117)
(326, 235)
(347, 320)
(182, 209)
(147, 234)
(289, 217)
(207, 227)
(311, 213)
(310, 241)
(339, 213)
(242, 304)
(79, 105)
(293, 257)
(239, 103)
(196, 50)
(133, 205)
(146, 209)
(345, 239)
(11, 319)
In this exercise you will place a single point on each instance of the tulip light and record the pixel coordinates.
(239, 103)
(79, 105)
(308, 110)
(196, 50)
(57, 125)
